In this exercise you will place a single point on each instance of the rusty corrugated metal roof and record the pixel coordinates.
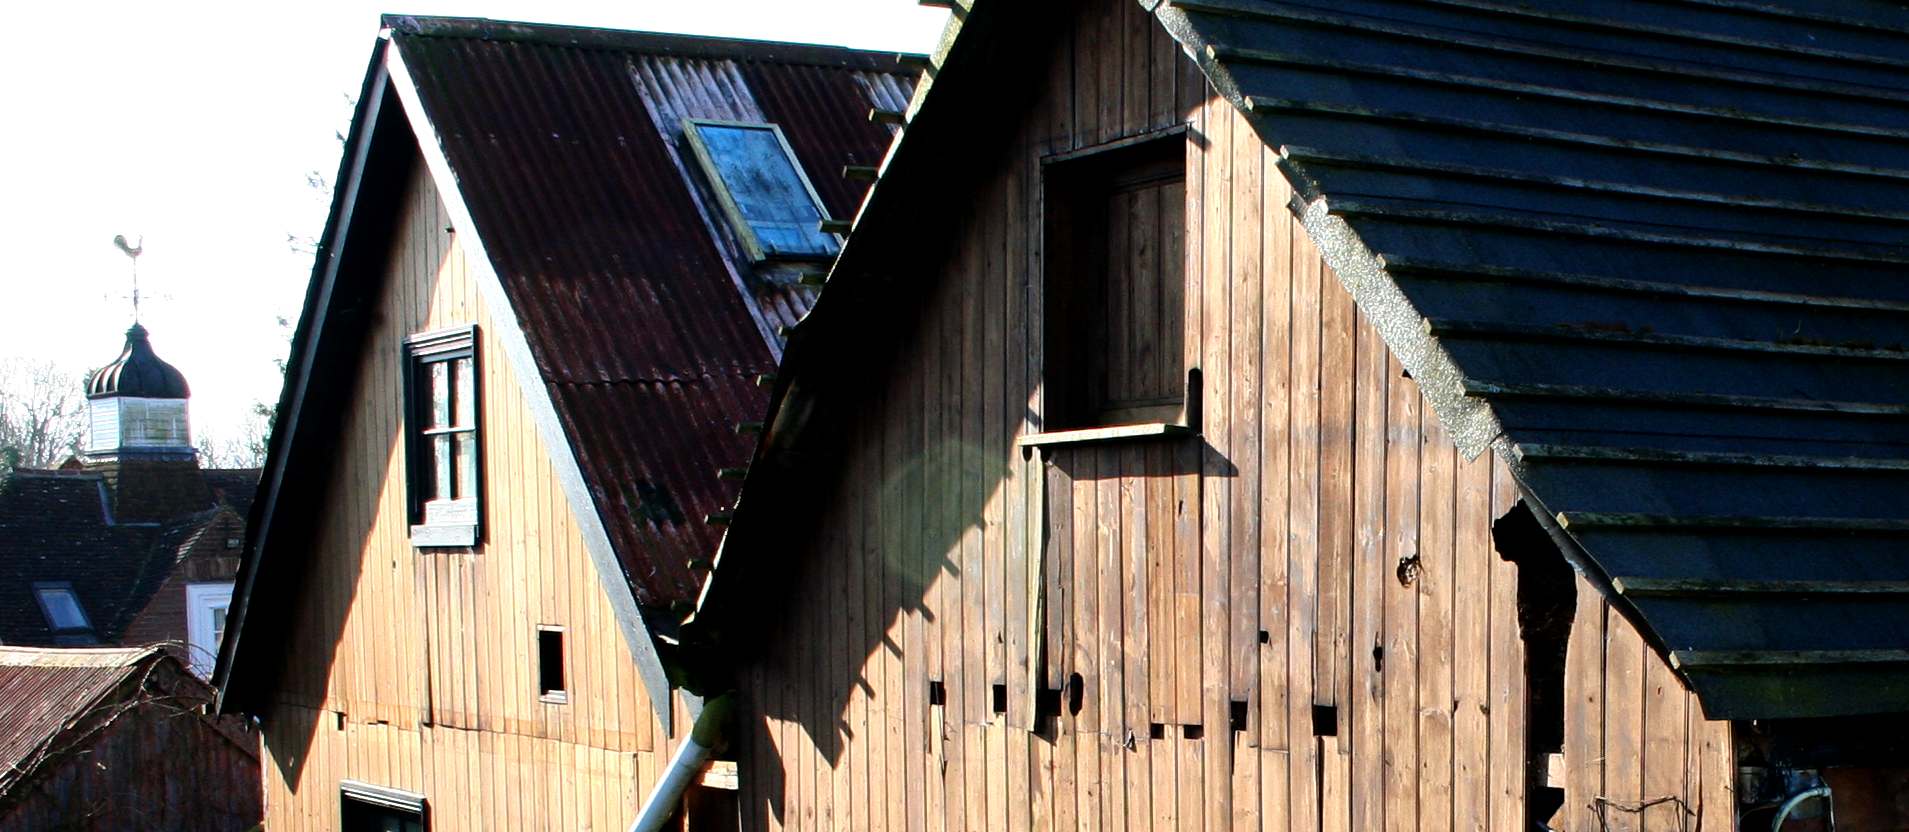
(646, 322)
(48, 690)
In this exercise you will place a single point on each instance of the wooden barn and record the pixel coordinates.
(552, 284)
(118, 740)
(1354, 415)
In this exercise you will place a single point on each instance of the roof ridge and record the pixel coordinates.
(643, 41)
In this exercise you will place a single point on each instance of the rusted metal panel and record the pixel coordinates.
(644, 319)
(114, 739)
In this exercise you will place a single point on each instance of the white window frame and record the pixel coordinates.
(201, 600)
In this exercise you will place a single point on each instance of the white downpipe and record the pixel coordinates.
(684, 766)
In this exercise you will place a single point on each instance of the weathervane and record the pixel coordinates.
(132, 252)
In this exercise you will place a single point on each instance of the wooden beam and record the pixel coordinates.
(720, 517)
(817, 278)
(861, 173)
(835, 226)
(732, 473)
(878, 115)
(1158, 430)
(1573, 520)
(1776, 658)
(1680, 586)
(721, 774)
(747, 428)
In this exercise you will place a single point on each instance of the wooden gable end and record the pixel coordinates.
(417, 669)
(1294, 616)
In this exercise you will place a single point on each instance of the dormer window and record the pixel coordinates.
(65, 618)
(442, 431)
(768, 200)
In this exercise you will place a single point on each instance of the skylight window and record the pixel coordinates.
(769, 201)
(64, 615)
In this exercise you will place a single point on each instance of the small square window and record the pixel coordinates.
(1115, 286)
(65, 618)
(768, 199)
(550, 683)
(445, 456)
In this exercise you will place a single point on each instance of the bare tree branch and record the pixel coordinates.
(42, 414)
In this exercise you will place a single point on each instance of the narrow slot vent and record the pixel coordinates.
(550, 682)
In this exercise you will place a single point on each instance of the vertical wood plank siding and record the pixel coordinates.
(1319, 557)
(416, 670)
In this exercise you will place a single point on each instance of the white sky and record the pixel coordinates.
(195, 124)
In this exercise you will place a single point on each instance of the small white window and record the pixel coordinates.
(206, 605)
(64, 615)
(770, 202)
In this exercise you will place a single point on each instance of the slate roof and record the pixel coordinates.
(55, 527)
(1651, 252)
(631, 306)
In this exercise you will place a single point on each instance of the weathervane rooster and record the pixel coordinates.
(132, 251)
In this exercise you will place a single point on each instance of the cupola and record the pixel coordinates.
(137, 405)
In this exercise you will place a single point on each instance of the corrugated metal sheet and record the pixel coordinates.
(564, 144)
(46, 690)
(1663, 244)
(114, 738)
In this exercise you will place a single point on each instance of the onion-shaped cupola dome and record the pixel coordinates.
(137, 406)
(138, 373)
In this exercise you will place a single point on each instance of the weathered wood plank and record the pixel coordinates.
(1471, 629)
(1366, 708)
(1435, 586)
(1507, 672)
(1401, 601)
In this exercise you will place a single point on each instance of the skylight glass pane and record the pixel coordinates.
(63, 610)
(766, 189)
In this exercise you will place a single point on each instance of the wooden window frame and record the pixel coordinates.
(746, 232)
(465, 528)
(382, 797)
(1070, 180)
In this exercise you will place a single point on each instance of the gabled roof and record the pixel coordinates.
(57, 528)
(1652, 253)
(649, 351)
(637, 330)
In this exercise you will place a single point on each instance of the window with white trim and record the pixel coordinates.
(206, 606)
(441, 386)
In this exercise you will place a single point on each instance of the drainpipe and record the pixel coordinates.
(684, 767)
(1796, 800)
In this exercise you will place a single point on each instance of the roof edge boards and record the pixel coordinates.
(563, 457)
(292, 399)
